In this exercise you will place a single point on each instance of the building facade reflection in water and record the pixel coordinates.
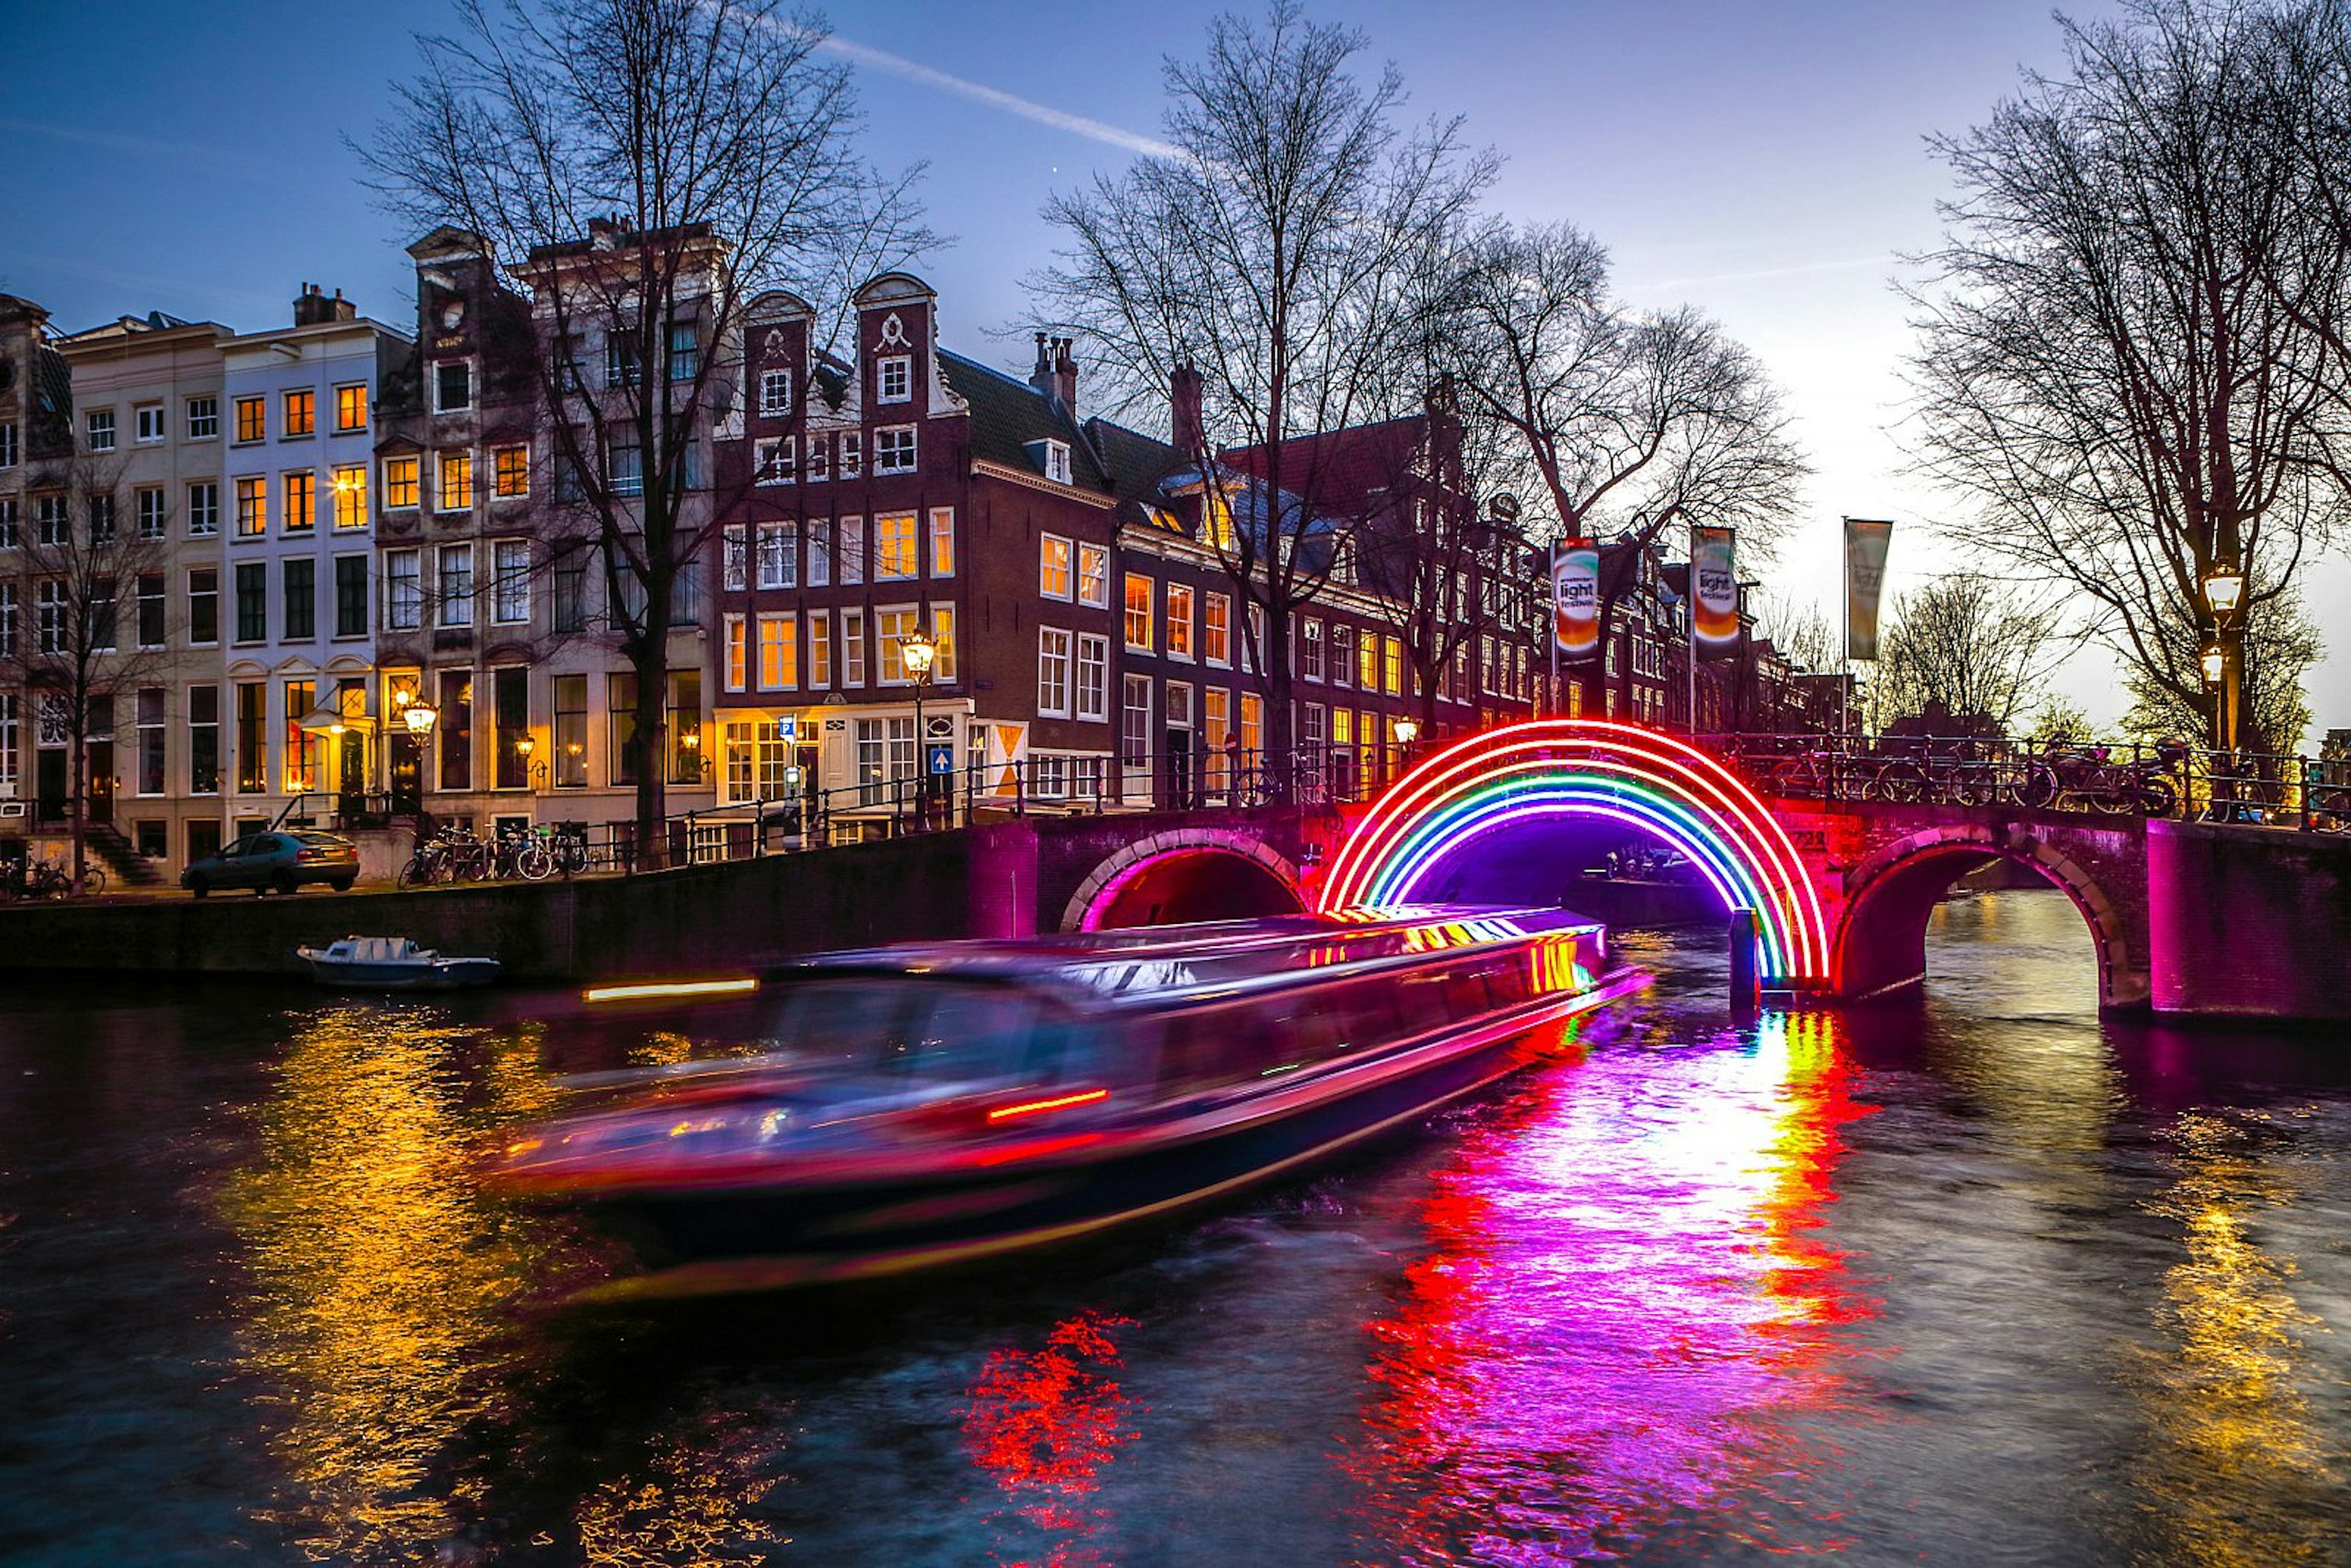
(1623, 1279)
(382, 1326)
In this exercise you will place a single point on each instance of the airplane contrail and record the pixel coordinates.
(995, 98)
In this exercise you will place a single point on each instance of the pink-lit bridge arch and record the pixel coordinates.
(1591, 768)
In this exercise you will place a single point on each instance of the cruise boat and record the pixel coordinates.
(911, 1107)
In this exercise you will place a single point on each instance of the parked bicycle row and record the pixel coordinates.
(454, 852)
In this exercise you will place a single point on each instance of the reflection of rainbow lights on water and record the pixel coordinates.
(1043, 1423)
(1619, 1291)
(1586, 767)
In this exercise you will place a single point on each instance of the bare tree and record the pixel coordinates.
(1271, 256)
(1967, 652)
(1630, 420)
(1800, 632)
(643, 168)
(94, 636)
(2118, 355)
(2279, 650)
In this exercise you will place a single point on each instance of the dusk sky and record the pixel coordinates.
(1764, 162)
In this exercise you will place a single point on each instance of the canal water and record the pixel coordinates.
(1973, 1279)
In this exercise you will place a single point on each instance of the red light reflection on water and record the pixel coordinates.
(1043, 1423)
(1625, 1312)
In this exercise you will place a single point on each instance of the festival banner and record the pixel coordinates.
(1865, 573)
(1575, 599)
(1714, 594)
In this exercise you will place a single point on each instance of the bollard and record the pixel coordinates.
(1746, 993)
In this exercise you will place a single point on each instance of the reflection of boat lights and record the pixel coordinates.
(1593, 768)
(668, 988)
(1043, 1423)
(1059, 1102)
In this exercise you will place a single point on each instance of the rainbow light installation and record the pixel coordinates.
(1590, 768)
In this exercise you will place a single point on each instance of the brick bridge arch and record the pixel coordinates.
(1191, 872)
(1887, 896)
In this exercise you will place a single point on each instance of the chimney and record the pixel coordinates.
(1065, 377)
(1184, 406)
(1041, 376)
(604, 233)
(313, 307)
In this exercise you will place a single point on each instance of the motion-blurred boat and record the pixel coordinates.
(916, 1106)
(393, 964)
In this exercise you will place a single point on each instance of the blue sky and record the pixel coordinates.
(1762, 160)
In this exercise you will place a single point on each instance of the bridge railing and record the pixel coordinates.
(894, 801)
(2163, 779)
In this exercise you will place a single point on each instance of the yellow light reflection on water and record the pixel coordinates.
(2239, 1473)
(379, 1314)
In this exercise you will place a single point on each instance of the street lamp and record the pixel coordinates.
(2225, 596)
(419, 718)
(919, 651)
(1408, 730)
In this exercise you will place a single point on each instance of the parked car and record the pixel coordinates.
(276, 863)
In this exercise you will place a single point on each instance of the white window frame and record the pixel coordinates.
(403, 612)
(1068, 567)
(775, 459)
(734, 653)
(1099, 598)
(734, 557)
(776, 558)
(141, 416)
(789, 678)
(941, 528)
(774, 395)
(853, 454)
(1093, 657)
(885, 461)
(452, 609)
(1055, 657)
(900, 367)
(203, 417)
(1057, 461)
(509, 585)
(98, 421)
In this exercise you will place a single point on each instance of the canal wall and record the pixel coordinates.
(2249, 923)
(980, 882)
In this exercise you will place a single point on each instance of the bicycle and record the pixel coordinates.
(569, 849)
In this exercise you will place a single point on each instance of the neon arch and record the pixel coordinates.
(1590, 768)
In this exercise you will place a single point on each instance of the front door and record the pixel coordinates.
(351, 774)
(50, 784)
(101, 780)
(407, 775)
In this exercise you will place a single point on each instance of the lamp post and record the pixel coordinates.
(1408, 730)
(2223, 660)
(918, 649)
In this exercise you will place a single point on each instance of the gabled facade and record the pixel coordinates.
(296, 535)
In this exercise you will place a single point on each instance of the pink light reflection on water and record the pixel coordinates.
(1625, 1314)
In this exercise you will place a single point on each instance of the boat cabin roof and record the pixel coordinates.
(1154, 967)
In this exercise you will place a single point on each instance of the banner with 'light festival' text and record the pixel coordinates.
(1865, 573)
(1575, 599)
(1714, 594)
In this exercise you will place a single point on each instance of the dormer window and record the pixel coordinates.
(893, 379)
(1057, 461)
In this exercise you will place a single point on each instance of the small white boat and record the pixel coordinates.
(393, 964)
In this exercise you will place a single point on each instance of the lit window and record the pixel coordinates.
(399, 483)
(1054, 566)
(738, 653)
(301, 411)
(1391, 674)
(1138, 612)
(512, 468)
(894, 450)
(779, 649)
(1367, 662)
(252, 507)
(894, 547)
(351, 407)
(1179, 621)
(943, 549)
(252, 416)
(301, 500)
(456, 490)
(1093, 575)
(943, 638)
(890, 626)
(819, 651)
(351, 497)
(895, 380)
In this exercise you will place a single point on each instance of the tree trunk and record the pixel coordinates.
(650, 662)
(78, 803)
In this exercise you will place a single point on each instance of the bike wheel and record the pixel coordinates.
(416, 873)
(93, 879)
(2037, 789)
(533, 863)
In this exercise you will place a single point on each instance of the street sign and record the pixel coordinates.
(787, 727)
(942, 758)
